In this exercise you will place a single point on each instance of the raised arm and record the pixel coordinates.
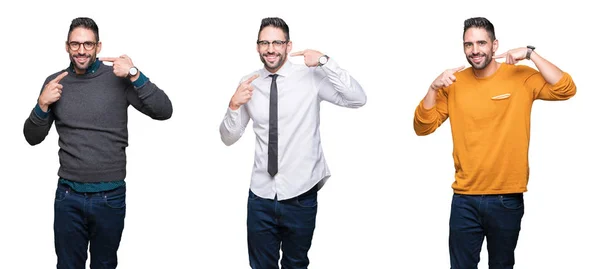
(550, 83)
(143, 95)
(432, 111)
(334, 83)
(38, 124)
(427, 120)
(236, 118)
(147, 98)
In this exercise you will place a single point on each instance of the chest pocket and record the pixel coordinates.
(500, 98)
(482, 105)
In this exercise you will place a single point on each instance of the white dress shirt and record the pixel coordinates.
(300, 89)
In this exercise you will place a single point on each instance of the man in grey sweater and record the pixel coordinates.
(88, 103)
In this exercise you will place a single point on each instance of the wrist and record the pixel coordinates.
(530, 50)
(533, 56)
(133, 73)
(134, 78)
(43, 107)
(233, 106)
(322, 60)
(433, 88)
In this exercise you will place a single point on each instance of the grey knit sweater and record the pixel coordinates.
(91, 121)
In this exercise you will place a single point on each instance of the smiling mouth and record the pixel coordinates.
(271, 58)
(477, 59)
(81, 58)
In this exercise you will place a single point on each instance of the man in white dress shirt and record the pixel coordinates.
(283, 99)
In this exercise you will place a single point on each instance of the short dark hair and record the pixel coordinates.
(86, 23)
(480, 22)
(277, 23)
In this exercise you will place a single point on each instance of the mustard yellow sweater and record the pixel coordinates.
(490, 122)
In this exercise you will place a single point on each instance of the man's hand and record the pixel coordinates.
(52, 92)
(311, 57)
(445, 79)
(242, 94)
(121, 66)
(513, 56)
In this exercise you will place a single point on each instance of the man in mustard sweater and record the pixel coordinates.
(489, 106)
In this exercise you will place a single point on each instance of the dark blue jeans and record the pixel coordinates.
(287, 225)
(80, 219)
(495, 217)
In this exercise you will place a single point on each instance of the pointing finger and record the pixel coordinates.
(458, 68)
(297, 53)
(499, 56)
(59, 77)
(108, 59)
(252, 78)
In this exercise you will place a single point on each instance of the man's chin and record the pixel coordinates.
(478, 66)
(81, 65)
(272, 66)
(80, 68)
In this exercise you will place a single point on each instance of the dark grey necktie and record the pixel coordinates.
(273, 136)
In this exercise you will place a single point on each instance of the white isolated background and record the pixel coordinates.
(387, 204)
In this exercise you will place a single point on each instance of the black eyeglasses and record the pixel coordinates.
(276, 43)
(88, 45)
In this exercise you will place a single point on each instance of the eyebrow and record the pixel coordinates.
(476, 41)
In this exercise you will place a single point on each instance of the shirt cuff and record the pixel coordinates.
(39, 112)
(426, 115)
(140, 81)
(234, 113)
(332, 66)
